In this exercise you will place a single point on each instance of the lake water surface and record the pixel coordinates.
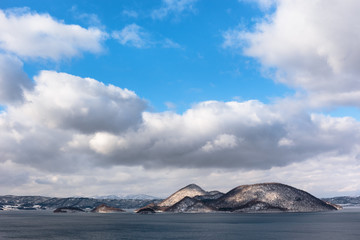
(344, 224)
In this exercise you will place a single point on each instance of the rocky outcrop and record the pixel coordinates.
(265, 197)
(103, 208)
(338, 207)
(212, 195)
(146, 210)
(190, 205)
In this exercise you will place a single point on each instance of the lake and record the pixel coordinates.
(344, 224)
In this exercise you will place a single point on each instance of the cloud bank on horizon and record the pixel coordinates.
(59, 130)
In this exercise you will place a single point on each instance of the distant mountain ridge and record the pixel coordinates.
(130, 196)
(264, 197)
(344, 200)
(9, 202)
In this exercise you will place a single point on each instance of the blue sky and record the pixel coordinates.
(197, 69)
(131, 97)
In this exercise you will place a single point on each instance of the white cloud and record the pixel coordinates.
(32, 35)
(132, 35)
(221, 142)
(106, 143)
(13, 80)
(59, 114)
(245, 135)
(61, 100)
(175, 7)
(68, 125)
(311, 45)
(240, 135)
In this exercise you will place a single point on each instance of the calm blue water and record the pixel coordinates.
(335, 225)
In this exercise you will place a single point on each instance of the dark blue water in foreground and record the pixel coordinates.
(335, 225)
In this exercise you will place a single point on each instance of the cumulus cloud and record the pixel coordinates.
(223, 141)
(32, 35)
(309, 45)
(61, 100)
(173, 7)
(68, 124)
(13, 80)
(106, 143)
(235, 134)
(48, 124)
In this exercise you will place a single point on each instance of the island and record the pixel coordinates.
(68, 209)
(103, 208)
(263, 197)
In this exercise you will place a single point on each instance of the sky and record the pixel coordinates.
(145, 97)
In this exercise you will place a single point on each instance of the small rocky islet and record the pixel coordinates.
(103, 208)
(68, 210)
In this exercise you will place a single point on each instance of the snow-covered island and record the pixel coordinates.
(264, 197)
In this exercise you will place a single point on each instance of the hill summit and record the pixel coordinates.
(190, 190)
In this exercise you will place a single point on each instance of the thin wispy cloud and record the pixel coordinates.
(130, 13)
(168, 43)
(90, 19)
(135, 36)
(173, 7)
(132, 35)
